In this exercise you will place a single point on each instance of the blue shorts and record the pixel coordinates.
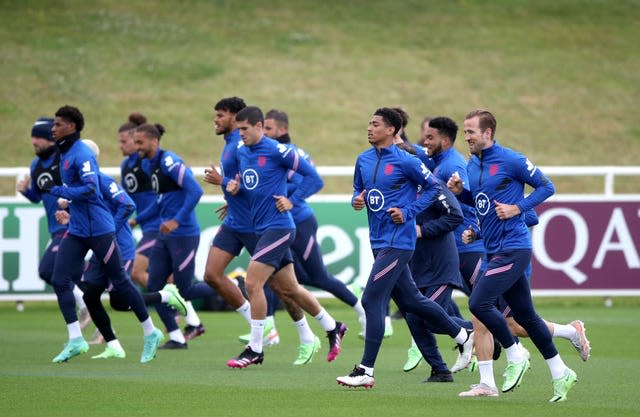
(147, 243)
(273, 248)
(230, 241)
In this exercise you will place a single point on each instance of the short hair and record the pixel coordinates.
(251, 114)
(390, 118)
(445, 126)
(403, 115)
(486, 120)
(151, 130)
(135, 119)
(279, 116)
(73, 115)
(230, 104)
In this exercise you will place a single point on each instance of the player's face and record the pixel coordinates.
(62, 128)
(251, 134)
(433, 141)
(127, 143)
(144, 145)
(223, 122)
(272, 129)
(476, 138)
(40, 145)
(378, 133)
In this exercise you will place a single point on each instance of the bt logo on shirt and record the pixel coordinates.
(375, 199)
(250, 179)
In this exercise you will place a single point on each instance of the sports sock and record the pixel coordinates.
(115, 344)
(565, 331)
(326, 321)
(245, 311)
(556, 366)
(367, 370)
(164, 296)
(462, 336)
(486, 373)
(304, 331)
(514, 353)
(191, 318)
(177, 336)
(362, 317)
(77, 294)
(147, 326)
(74, 330)
(257, 328)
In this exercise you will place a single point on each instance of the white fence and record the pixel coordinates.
(608, 173)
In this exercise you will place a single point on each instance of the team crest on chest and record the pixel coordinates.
(493, 169)
(262, 161)
(388, 169)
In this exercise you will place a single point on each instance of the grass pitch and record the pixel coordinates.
(196, 382)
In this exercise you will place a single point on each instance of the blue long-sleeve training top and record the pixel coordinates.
(500, 174)
(121, 207)
(301, 210)
(238, 209)
(79, 170)
(178, 193)
(137, 183)
(444, 165)
(264, 169)
(46, 166)
(391, 177)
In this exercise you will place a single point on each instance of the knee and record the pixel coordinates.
(91, 293)
(118, 301)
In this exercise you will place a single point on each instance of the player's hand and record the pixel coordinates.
(133, 223)
(62, 216)
(468, 236)
(63, 203)
(222, 211)
(396, 215)
(169, 226)
(358, 202)
(506, 211)
(418, 231)
(282, 203)
(233, 186)
(454, 184)
(23, 184)
(212, 176)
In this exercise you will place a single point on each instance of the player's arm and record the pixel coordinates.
(530, 174)
(86, 169)
(310, 182)
(419, 174)
(450, 218)
(182, 175)
(124, 203)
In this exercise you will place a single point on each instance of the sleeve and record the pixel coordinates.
(450, 216)
(120, 199)
(310, 182)
(358, 186)
(87, 169)
(33, 193)
(528, 173)
(531, 218)
(420, 175)
(182, 175)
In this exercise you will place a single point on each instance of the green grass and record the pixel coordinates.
(561, 76)
(196, 382)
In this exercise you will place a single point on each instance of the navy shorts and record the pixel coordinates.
(273, 248)
(232, 242)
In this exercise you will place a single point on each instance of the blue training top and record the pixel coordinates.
(47, 166)
(301, 210)
(79, 170)
(264, 167)
(121, 207)
(238, 210)
(178, 193)
(137, 184)
(500, 174)
(445, 164)
(391, 177)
